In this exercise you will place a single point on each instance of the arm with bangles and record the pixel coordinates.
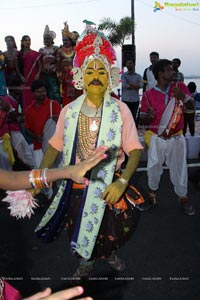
(22, 179)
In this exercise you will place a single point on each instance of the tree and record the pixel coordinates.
(117, 33)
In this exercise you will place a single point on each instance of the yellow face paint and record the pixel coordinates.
(96, 78)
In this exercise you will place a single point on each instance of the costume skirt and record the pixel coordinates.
(116, 228)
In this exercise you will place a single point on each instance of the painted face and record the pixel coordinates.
(96, 77)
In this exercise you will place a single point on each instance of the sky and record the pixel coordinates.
(169, 31)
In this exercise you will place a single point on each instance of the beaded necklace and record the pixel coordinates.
(88, 129)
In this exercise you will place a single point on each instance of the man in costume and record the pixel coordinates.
(49, 64)
(162, 110)
(65, 56)
(97, 223)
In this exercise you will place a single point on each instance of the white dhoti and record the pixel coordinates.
(23, 149)
(173, 152)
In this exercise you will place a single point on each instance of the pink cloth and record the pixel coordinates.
(157, 102)
(30, 70)
(130, 140)
(11, 293)
(4, 128)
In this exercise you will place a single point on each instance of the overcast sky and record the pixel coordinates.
(172, 32)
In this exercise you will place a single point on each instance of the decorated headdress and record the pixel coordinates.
(93, 44)
(66, 32)
(47, 31)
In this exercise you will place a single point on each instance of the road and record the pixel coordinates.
(162, 257)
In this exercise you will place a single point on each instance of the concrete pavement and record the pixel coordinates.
(162, 257)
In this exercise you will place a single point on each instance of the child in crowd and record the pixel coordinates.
(189, 114)
(193, 90)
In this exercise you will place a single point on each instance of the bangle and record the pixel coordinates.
(123, 181)
(38, 179)
(31, 180)
(45, 178)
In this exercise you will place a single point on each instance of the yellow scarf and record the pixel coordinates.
(8, 148)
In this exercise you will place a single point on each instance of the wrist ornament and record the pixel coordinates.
(123, 181)
(38, 179)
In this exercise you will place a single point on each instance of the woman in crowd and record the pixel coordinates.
(29, 68)
(10, 58)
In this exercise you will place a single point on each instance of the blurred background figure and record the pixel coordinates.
(49, 64)
(176, 62)
(3, 88)
(131, 83)
(10, 58)
(189, 114)
(65, 56)
(148, 77)
(29, 67)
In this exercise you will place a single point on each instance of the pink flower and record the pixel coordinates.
(21, 203)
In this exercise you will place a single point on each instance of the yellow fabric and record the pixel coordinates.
(179, 132)
(6, 145)
(61, 90)
(147, 137)
(148, 134)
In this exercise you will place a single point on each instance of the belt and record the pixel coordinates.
(78, 186)
(180, 132)
(169, 137)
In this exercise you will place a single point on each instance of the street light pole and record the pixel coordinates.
(133, 26)
(128, 51)
(133, 17)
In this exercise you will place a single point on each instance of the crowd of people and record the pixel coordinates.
(161, 82)
(57, 105)
(34, 85)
